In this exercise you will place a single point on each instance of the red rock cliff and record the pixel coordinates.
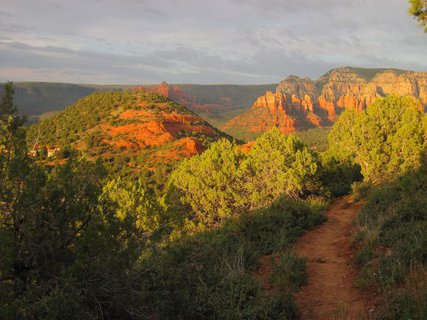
(300, 103)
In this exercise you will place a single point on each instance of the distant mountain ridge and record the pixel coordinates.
(215, 103)
(41, 99)
(301, 103)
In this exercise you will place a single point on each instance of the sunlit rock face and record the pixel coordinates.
(301, 103)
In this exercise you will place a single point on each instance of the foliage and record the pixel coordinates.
(133, 203)
(418, 9)
(65, 254)
(360, 190)
(223, 181)
(288, 271)
(278, 165)
(316, 138)
(209, 183)
(338, 176)
(85, 125)
(385, 140)
(210, 275)
(75, 121)
(78, 242)
(393, 240)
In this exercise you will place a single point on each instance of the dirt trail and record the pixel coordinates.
(330, 292)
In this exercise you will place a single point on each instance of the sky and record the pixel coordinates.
(203, 41)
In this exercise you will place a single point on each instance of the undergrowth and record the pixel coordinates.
(210, 275)
(392, 235)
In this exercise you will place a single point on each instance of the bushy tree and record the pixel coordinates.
(386, 139)
(65, 253)
(223, 181)
(135, 205)
(338, 176)
(418, 9)
(209, 183)
(276, 166)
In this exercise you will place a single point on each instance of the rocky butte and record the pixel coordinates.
(215, 103)
(136, 124)
(301, 103)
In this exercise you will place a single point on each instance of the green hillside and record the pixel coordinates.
(89, 117)
(218, 234)
(37, 99)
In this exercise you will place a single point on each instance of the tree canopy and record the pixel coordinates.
(223, 180)
(418, 9)
(386, 140)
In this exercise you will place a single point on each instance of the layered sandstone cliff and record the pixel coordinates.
(300, 103)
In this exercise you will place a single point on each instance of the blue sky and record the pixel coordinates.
(203, 41)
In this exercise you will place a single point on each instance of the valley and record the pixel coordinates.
(213, 160)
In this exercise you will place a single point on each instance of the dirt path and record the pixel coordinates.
(330, 292)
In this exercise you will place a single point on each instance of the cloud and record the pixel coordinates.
(237, 41)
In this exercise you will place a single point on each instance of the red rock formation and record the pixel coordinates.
(328, 106)
(302, 103)
(182, 148)
(270, 110)
(154, 129)
(176, 93)
(247, 147)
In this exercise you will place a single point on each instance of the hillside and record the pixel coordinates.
(231, 233)
(301, 103)
(147, 127)
(37, 98)
(215, 103)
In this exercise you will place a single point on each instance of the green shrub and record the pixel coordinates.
(360, 190)
(364, 256)
(210, 275)
(393, 239)
(386, 140)
(288, 272)
(223, 182)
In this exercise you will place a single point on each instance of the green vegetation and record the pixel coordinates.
(316, 138)
(393, 246)
(39, 99)
(75, 122)
(89, 237)
(85, 126)
(64, 253)
(418, 9)
(242, 133)
(230, 100)
(386, 140)
(210, 275)
(223, 181)
(79, 242)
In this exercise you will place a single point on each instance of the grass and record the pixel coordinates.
(392, 237)
(211, 275)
